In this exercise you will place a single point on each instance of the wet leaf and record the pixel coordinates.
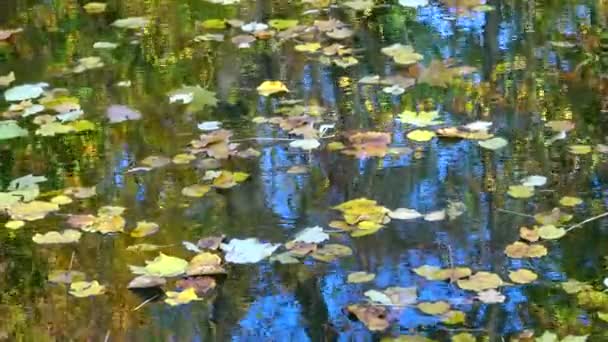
(9, 129)
(61, 200)
(145, 281)
(246, 251)
(520, 191)
(420, 119)
(374, 317)
(340, 33)
(534, 180)
(434, 308)
(402, 296)
(162, 266)
(490, 296)
(480, 281)
(211, 242)
(569, 201)
(413, 3)
(180, 298)
(494, 143)
(268, 88)
(421, 135)
(330, 252)
(82, 289)
(31, 211)
(205, 264)
(144, 228)
(404, 214)
(196, 190)
(555, 216)
(305, 144)
(24, 92)
(95, 7)
(282, 24)
(551, 232)
(311, 235)
(520, 250)
(198, 98)
(131, 23)
(120, 113)
(143, 247)
(529, 234)
(183, 158)
(580, 149)
(360, 277)
(522, 276)
(437, 215)
(402, 54)
(14, 224)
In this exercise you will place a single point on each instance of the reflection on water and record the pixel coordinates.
(305, 302)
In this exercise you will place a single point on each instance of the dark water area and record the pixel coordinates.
(528, 63)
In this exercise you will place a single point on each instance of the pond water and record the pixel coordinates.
(534, 69)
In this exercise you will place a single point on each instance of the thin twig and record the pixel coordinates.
(275, 139)
(107, 338)
(513, 212)
(145, 302)
(72, 261)
(587, 221)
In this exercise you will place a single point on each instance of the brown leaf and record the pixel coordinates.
(375, 318)
(202, 285)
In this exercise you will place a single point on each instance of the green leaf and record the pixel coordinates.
(9, 129)
(282, 24)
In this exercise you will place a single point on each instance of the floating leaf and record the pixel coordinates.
(144, 228)
(551, 232)
(9, 129)
(569, 201)
(420, 119)
(282, 24)
(308, 47)
(120, 113)
(490, 296)
(402, 296)
(360, 277)
(463, 337)
(519, 250)
(7, 79)
(434, 216)
(413, 3)
(522, 276)
(14, 224)
(163, 266)
(195, 190)
(31, 211)
(131, 23)
(480, 281)
(404, 214)
(24, 92)
(245, 251)
(145, 281)
(61, 200)
(529, 234)
(198, 98)
(375, 318)
(202, 285)
(331, 252)
(179, 298)
(494, 143)
(580, 149)
(268, 88)
(573, 286)
(520, 191)
(421, 135)
(95, 7)
(305, 144)
(534, 180)
(205, 263)
(434, 308)
(311, 235)
(83, 289)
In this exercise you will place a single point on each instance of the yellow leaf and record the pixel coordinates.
(182, 158)
(521, 191)
(551, 232)
(360, 277)
(453, 317)
(83, 289)
(522, 276)
(434, 308)
(421, 135)
(14, 224)
(579, 149)
(183, 297)
(480, 281)
(61, 200)
(268, 88)
(144, 228)
(164, 266)
(196, 190)
(569, 201)
(308, 47)
(66, 236)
